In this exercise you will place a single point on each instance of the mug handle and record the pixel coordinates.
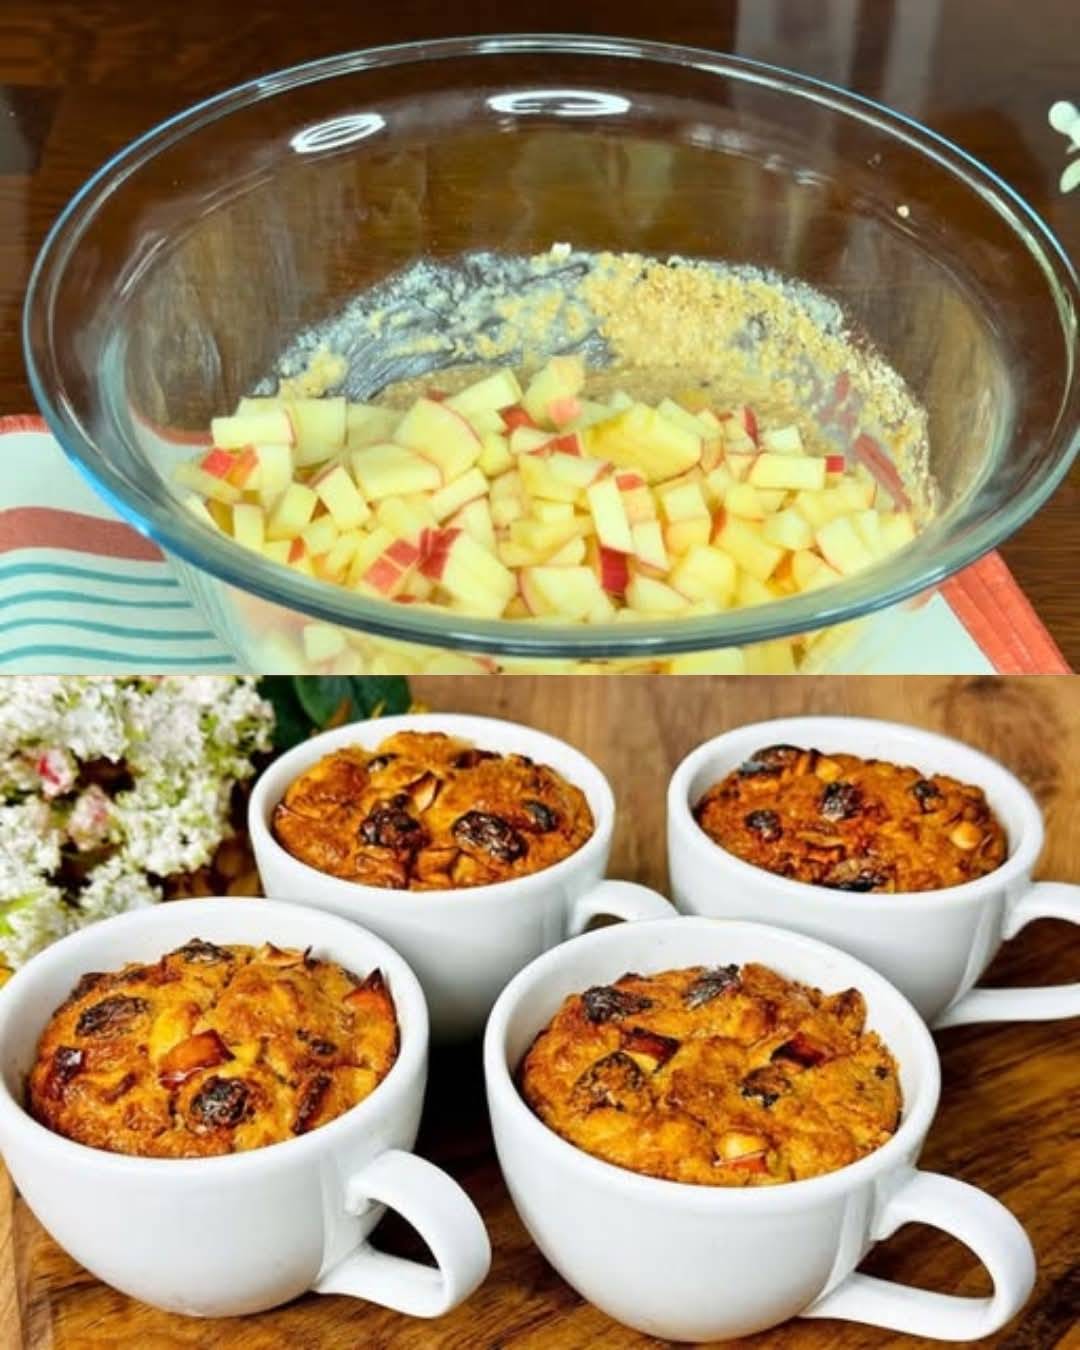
(977, 1220)
(618, 900)
(1044, 900)
(441, 1213)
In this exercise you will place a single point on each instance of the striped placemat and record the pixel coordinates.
(81, 591)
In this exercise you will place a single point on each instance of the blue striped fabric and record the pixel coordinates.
(65, 610)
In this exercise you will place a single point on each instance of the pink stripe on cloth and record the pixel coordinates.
(46, 527)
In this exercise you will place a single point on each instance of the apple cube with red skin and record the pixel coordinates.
(441, 435)
(468, 572)
(389, 572)
(390, 470)
(563, 377)
(206, 484)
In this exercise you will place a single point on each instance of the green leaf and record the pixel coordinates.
(305, 704)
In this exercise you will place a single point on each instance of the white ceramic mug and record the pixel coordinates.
(463, 944)
(700, 1263)
(243, 1232)
(933, 945)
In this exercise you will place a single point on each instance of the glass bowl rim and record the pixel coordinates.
(161, 517)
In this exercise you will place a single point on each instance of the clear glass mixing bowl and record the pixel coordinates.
(188, 263)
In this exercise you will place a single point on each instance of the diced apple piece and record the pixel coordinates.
(388, 470)
(341, 554)
(705, 574)
(609, 517)
(821, 507)
(322, 642)
(897, 529)
(682, 535)
(638, 503)
(505, 510)
(294, 509)
(795, 473)
(562, 377)
(538, 480)
(475, 519)
(549, 511)
(206, 484)
(418, 586)
(441, 435)
(611, 567)
(197, 507)
(578, 470)
(738, 464)
(368, 424)
(725, 661)
(654, 597)
(320, 535)
(562, 411)
(275, 471)
(842, 548)
(750, 591)
(277, 550)
(406, 517)
(570, 592)
(640, 438)
(319, 425)
(745, 544)
(684, 501)
(495, 456)
(468, 572)
(388, 573)
(572, 554)
(788, 529)
(338, 493)
(498, 390)
(270, 427)
(649, 546)
(742, 500)
(249, 526)
(783, 441)
(543, 538)
(603, 611)
(370, 544)
(589, 413)
(716, 483)
(455, 495)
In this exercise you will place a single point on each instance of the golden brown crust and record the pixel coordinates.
(211, 1050)
(717, 1077)
(426, 811)
(852, 824)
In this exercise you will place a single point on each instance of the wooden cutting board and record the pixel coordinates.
(1010, 1103)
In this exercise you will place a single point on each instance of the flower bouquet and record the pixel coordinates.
(118, 792)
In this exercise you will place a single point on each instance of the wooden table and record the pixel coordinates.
(1010, 1103)
(80, 78)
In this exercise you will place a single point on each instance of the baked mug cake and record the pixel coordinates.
(429, 811)
(211, 1049)
(852, 824)
(468, 843)
(718, 1076)
(910, 850)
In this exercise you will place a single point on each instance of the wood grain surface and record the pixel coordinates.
(1009, 1110)
(80, 78)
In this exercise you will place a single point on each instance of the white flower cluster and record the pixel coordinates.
(181, 742)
